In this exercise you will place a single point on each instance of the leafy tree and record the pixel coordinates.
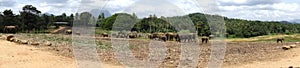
(9, 18)
(30, 18)
(70, 19)
(1, 22)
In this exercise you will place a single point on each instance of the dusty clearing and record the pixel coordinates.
(14, 55)
(20, 56)
(238, 54)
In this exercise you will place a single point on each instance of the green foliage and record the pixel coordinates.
(132, 46)
(101, 31)
(235, 28)
(30, 19)
(184, 31)
(289, 38)
(103, 46)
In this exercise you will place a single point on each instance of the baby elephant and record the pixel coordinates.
(204, 39)
(279, 40)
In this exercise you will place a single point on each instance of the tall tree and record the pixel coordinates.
(30, 17)
(9, 18)
(1, 22)
(71, 19)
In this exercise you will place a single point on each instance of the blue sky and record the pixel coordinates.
(267, 10)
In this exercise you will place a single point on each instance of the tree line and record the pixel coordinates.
(235, 28)
(30, 19)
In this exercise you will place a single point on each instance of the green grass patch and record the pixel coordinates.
(101, 31)
(289, 38)
(103, 46)
(132, 46)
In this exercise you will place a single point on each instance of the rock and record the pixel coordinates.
(48, 44)
(286, 47)
(16, 40)
(23, 42)
(34, 43)
(77, 33)
(168, 58)
(8, 38)
(3, 37)
(171, 61)
(293, 46)
(12, 39)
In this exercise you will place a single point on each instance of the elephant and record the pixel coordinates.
(120, 34)
(159, 36)
(205, 39)
(171, 36)
(190, 37)
(150, 36)
(211, 36)
(104, 35)
(10, 29)
(280, 40)
(133, 35)
(69, 31)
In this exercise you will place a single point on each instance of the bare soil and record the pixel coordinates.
(238, 54)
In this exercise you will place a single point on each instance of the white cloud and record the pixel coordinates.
(246, 9)
(7, 3)
(269, 11)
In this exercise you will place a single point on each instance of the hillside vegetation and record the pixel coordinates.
(267, 38)
(236, 28)
(31, 19)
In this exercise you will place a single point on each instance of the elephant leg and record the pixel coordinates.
(164, 39)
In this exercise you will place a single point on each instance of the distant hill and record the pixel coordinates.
(295, 21)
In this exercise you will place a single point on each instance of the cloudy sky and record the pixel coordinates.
(267, 10)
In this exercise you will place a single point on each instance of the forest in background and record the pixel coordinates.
(30, 19)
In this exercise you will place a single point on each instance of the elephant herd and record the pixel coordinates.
(169, 36)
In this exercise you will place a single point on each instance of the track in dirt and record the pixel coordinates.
(237, 54)
(20, 56)
(14, 55)
(291, 58)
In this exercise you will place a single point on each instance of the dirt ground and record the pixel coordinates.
(14, 55)
(238, 54)
(60, 55)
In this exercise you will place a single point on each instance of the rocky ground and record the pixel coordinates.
(237, 53)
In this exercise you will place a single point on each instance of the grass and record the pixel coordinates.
(268, 38)
(287, 39)
(101, 31)
(131, 46)
(103, 46)
(60, 38)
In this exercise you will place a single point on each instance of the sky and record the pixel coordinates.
(265, 10)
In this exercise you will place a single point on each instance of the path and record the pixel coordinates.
(292, 59)
(20, 56)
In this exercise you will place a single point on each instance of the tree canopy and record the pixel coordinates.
(234, 27)
(30, 19)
